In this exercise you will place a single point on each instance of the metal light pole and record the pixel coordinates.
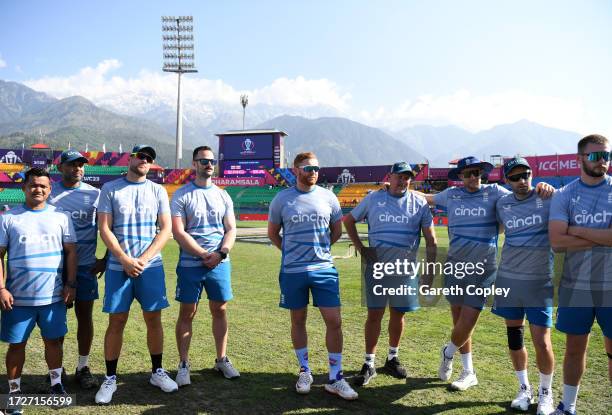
(178, 39)
(244, 100)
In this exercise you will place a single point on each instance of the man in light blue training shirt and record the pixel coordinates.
(581, 225)
(311, 221)
(130, 210)
(204, 226)
(40, 242)
(396, 217)
(526, 271)
(80, 201)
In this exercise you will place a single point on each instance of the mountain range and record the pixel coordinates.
(28, 116)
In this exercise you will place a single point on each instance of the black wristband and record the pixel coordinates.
(222, 254)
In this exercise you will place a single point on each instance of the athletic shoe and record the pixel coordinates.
(226, 368)
(545, 403)
(446, 365)
(466, 380)
(57, 389)
(395, 368)
(108, 387)
(342, 389)
(182, 376)
(303, 383)
(561, 410)
(17, 410)
(161, 379)
(366, 374)
(85, 379)
(523, 399)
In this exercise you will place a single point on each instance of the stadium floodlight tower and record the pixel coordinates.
(244, 101)
(179, 58)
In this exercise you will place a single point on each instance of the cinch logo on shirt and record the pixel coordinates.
(515, 223)
(75, 214)
(477, 211)
(586, 218)
(203, 213)
(45, 238)
(128, 210)
(387, 217)
(303, 217)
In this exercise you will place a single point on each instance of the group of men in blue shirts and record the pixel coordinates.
(51, 244)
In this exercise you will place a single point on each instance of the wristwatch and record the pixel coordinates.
(222, 254)
(71, 284)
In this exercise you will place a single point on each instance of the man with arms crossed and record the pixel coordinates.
(204, 226)
(40, 242)
(581, 224)
(80, 201)
(129, 212)
(395, 220)
(311, 220)
(526, 270)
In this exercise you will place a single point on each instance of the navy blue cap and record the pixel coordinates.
(469, 162)
(145, 148)
(72, 155)
(402, 167)
(515, 162)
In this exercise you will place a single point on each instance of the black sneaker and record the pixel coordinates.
(85, 379)
(366, 374)
(58, 389)
(395, 368)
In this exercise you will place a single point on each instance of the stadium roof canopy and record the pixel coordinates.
(252, 132)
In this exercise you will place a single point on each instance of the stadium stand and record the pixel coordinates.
(11, 197)
(351, 194)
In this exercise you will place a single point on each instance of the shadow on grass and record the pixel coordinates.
(253, 393)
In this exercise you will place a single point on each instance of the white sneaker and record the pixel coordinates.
(303, 383)
(108, 387)
(466, 380)
(446, 365)
(546, 405)
(226, 368)
(161, 379)
(342, 389)
(182, 376)
(523, 399)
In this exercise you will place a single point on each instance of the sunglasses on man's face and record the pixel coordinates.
(470, 173)
(516, 177)
(206, 162)
(309, 169)
(598, 155)
(143, 156)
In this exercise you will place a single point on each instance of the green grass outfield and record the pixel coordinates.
(260, 347)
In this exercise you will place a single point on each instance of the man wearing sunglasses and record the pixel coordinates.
(80, 201)
(581, 225)
(311, 220)
(204, 226)
(473, 232)
(130, 210)
(396, 218)
(526, 271)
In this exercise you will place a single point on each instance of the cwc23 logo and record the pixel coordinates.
(248, 147)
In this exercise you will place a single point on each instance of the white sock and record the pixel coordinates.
(370, 359)
(522, 377)
(14, 384)
(450, 350)
(56, 376)
(546, 381)
(466, 359)
(393, 351)
(83, 361)
(570, 394)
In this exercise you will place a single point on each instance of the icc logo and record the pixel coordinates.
(248, 145)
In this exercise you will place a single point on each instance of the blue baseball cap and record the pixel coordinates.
(469, 162)
(515, 162)
(145, 148)
(402, 167)
(72, 155)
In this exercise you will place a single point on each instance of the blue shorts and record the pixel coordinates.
(192, 280)
(87, 284)
(579, 320)
(149, 288)
(17, 324)
(462, 297)
(323, 284)
(539, 316)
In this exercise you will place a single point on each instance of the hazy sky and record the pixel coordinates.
(387, 63)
